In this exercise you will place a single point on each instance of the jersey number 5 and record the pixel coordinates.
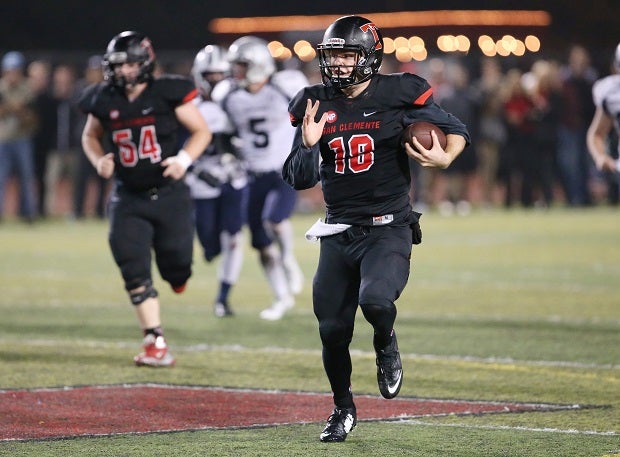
(130, 152)
(358, 155)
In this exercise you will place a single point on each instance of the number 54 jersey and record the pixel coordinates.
(142, 132)
(364, 169)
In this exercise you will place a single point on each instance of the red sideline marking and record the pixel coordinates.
(107, 410)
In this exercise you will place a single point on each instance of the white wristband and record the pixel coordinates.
(184, 158)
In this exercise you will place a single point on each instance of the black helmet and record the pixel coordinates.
(129, 47)
(352, 33)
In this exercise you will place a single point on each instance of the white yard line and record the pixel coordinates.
(281, 350)
(509, 427)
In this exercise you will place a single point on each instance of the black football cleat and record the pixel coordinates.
(339, 424)
(389, 369)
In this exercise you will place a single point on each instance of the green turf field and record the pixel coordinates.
(509, 306)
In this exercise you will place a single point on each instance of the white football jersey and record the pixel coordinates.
(262, 120)
(606, 95)
(222, 166)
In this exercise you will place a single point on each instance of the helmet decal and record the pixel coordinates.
(373, 29)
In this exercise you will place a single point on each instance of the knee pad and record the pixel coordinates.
(381, 317)
(335, 332)
(138, 297)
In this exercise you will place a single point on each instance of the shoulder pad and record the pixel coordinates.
(289, 81)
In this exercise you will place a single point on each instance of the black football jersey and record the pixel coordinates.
(142, 132)
(364, 169)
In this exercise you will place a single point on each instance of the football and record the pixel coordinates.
(422, 131)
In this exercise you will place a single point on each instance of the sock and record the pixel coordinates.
(223, 295)
(156, 331)
(382, 341)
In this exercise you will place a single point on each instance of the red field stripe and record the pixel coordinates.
(109, 410)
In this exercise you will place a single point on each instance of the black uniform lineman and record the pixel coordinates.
(150, 208)
(355, 150)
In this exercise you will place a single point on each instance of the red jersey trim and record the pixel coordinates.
(422, 98)
(192, 95)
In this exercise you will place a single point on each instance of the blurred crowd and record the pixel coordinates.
(528, 130)
(528, 127)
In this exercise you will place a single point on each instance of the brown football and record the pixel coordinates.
(422, 131)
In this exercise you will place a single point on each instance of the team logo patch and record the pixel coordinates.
(331, 117)
(382, 220)
(114, 114)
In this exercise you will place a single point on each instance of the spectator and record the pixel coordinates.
(462, 102)
(576, 112)
(39, 76)
(17, 126)
(518, 109)
(538, 166)
(62, 159)
(85, 173)
(491, 127)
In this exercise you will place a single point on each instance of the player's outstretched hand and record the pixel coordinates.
(435, 157)
(312, 130)
(105, 165)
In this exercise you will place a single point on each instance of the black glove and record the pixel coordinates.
(416, 230)
(207, 177)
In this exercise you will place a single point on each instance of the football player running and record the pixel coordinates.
(136, 116)
(218, 181)
(348, 137)
(606, 95)
(258, 107)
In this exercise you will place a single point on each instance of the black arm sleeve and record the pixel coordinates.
(301, 168)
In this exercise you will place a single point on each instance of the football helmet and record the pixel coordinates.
(210, 66)
(127, 47)
(351, 33)
(252, 52)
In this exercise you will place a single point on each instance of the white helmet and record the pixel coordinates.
(253, 52)
(210, 59)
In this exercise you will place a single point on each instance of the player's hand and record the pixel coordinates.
(105, 165)
(435, 157)
(310, 129)
(176, 166)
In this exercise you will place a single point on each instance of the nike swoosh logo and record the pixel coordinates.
(369, 114)
(348, 423)
(147, 110)
(392, 389)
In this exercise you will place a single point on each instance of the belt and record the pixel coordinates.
(152, 193)
(395, 218)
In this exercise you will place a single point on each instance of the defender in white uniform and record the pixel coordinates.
(218, 180)
(258, 107)
(606, 95)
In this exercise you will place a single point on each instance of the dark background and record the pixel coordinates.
(35, 26)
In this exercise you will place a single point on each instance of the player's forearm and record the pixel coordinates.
(92, 149)
(197, 143)
(300, 170)
(454, 146)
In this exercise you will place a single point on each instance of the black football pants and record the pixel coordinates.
(159, 220)
(368, 266)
